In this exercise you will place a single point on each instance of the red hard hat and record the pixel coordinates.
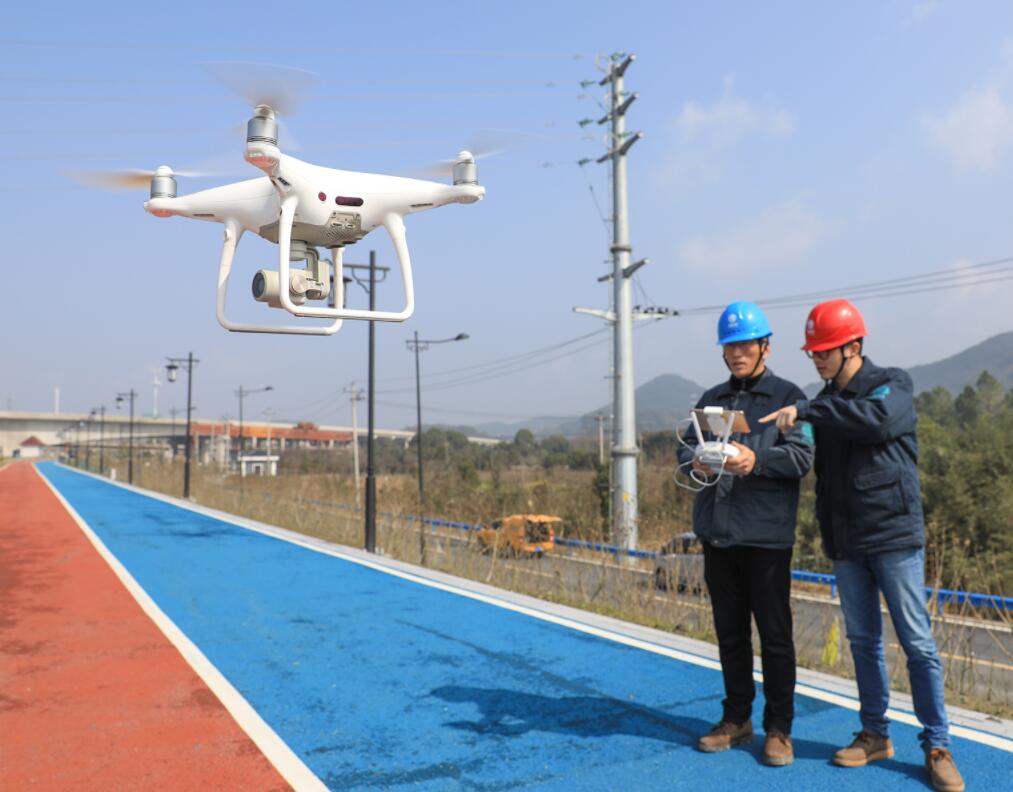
(833, 324)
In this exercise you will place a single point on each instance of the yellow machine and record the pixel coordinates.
(520, 534)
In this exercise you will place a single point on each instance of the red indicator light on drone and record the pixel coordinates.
(344, 200)
(322, 196)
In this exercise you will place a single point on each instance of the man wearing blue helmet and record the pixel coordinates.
(745, 519)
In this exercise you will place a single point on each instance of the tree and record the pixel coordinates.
(990, 393)
(524, 440)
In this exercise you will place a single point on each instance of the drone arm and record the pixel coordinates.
(233, 232)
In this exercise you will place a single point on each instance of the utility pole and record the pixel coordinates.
(600, 420)
(173, 411)
(87, 441)
(417, 346)
(101, 412)
(155, 383)
(370, 538)
(624, 441)
(120, 398)
(356, 395)
(242, 393)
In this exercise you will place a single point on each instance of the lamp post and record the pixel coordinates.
(87, 441)
(420, 345)
(120, 398)
(101, 413)
(242, 393)
(171, 369)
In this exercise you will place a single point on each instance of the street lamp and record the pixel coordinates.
(120, 398)
(242, 393)
(171, 369)
(87, 441)
(101, 412)
(416, 345)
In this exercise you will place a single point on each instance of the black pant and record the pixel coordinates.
(745, 581)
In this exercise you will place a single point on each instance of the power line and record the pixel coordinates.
(503, 371)
(937, 280)
(530, 354)
(477, 413)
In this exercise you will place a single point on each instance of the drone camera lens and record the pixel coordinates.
(259, 285)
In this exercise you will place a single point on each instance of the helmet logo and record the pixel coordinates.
(810, 327)
(732, 318)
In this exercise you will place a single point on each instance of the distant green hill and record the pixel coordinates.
(667, 399)
(994, 355)
(660, 403)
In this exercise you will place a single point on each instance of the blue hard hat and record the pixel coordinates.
(742, 321)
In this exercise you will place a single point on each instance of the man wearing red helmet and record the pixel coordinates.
(869, 507)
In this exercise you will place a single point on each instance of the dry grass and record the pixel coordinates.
(322, 506)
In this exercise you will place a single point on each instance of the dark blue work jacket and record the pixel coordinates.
(758, 509)
(868, 499)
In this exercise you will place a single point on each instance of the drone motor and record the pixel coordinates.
(163, 183)
(465, 170)
(262, 127)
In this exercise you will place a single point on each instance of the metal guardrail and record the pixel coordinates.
(942, 596)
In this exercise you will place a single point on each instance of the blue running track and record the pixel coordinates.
(377, 682)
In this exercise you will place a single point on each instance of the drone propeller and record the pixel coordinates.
(445, 168)
(280, 88)
(483, 145)
(131, 179)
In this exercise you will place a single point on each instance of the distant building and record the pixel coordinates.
(258, 465)
(30, 449)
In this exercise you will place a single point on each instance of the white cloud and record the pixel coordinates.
(975, 130)
(921, 11)
(703, 133)
(778, 237)
(729, 119)
(978, 128)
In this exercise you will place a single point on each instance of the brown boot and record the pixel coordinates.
(866, 747)
(725, 735)
(777, 750)
(943, 770)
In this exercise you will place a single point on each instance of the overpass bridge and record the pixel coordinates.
(63, 430)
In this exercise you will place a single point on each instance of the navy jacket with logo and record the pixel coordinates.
(758, 509)
(868, 498)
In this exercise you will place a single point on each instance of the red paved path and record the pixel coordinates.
(92, 695)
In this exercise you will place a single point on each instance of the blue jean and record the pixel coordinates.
(900, 576)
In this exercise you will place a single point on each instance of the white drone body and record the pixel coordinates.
(300, 207)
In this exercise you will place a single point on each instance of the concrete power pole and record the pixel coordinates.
(624, 440)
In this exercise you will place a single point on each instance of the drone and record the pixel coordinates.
(302, 207)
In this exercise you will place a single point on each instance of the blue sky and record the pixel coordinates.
(788, 147)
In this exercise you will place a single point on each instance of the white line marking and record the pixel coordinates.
(277, 752)
(319, 546)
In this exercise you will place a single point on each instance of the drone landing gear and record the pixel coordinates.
(395, 229)
(233, 233)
